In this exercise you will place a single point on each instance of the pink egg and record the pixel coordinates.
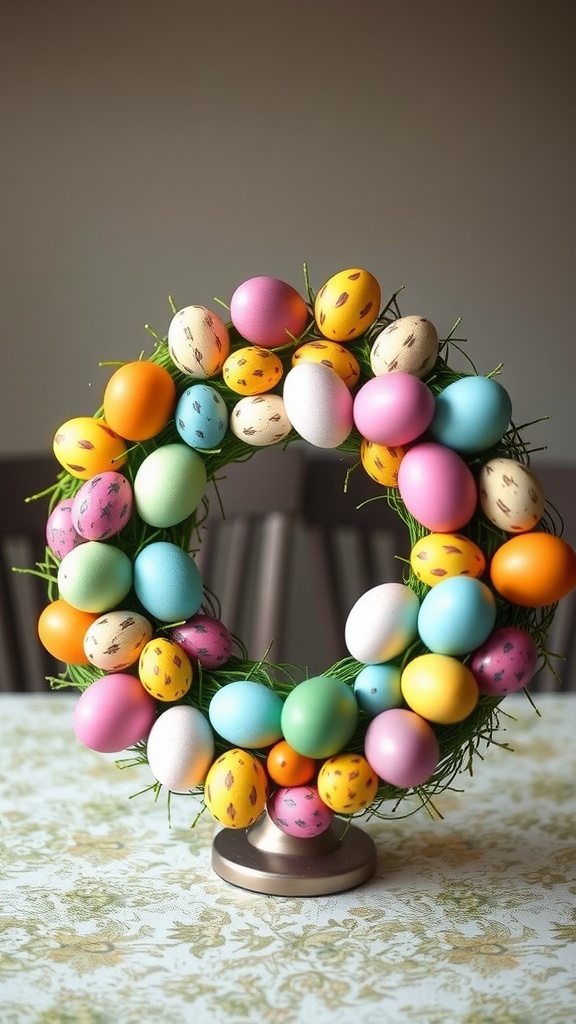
(61, 537)
(264, 309)
(505, 662)
(102, 506)
(113, 713)
(437, 487)
(401, 747)
(299, 811)
(205, 639)
(393, 409)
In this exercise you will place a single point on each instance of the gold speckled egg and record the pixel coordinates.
(409, 345)
(511, 495)
(438, 555)
(235, 789)
(85, 446)
(198, 341)
(347, 305)
(115, 640)
(347, 783)
(331, 354)
(252, 370)
(165, 669)
(381, 463)
(260, 420)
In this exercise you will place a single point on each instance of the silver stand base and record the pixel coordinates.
(263, 859)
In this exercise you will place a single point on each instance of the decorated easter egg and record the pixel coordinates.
(347, 783)
(534, 569)
(402, 748)
(318, 404)
(61, 536)
(114, 641)
(61, 630)
(169, 485)
(439, 688)
(457, 615)
(409, 345)
(347, 304)
(201, 416)
(332, 354)
(319, 716)
(381, 462)
(85, 446)
(260, 420)
(393, 409)
(198, 341)
(511, 495)
(377, 688)
(167, 581)
(180, 748)
(437, 556)
(95, 576)
(102, 506)
(472, 414)
(287, 767)
(505, 662)
(113, 713)
(268, 312)
(235, 789)
(437, 487)
(139, 400)
(252, 370)
(165, 669)
(205, 639)
(299, 811)
(246, 713)
(382, 623)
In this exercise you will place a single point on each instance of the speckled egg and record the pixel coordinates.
(505, 662)
(299, 811)
(332, 354)
(381, 462)
(268, 312)
(409, 344)
(102, 506)
(438, 555)
(347, 305)
(318, 404)
(85, 446)
(511, 495)
(201, 416)
(180, 748)
(165, 669)
(377, 688)
(252, 370)
(235, 789)
(205, 639)
(198, 341)
(61, 537)
(347, 783)
(260, 420)
(115, 640)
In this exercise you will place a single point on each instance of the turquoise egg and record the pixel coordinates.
(456, 616)
(472, 414)
(201, 417)
(319, 716)
(377, 688)
(167, 581)
(246, 713)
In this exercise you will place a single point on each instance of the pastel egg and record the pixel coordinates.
(439, 555)
(268, 312)
(85, 446)
(505, 662)
(252, 370)
(102, 506)
(169, 485)
(115, 640)
(235, 789)
(198, 341)
(347, 304)
(260, 420)
(95, 576)
(319, 716)
(167, 582)
(205, 639)
(382, 623)
(534, 569)
(409, 345)
(402, 748)
(439, 688)
(318, 404)
(247, 713)
(165, 669)
(201, 417)
(113, 713)
(332, 354)
(377, 688)
(299, 811)
(511, 495)
(180, 748)
(472, 414)
(393, 409)
(437, 487)
(347, 783)
(457, 615)
(381, 462)
(61, 537)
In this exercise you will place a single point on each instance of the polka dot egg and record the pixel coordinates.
(165, 669)
(252, 370)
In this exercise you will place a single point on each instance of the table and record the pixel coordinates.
(111, 914)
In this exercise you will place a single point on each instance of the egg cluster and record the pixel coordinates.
(130, 617)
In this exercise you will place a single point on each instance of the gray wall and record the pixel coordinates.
(179, 147)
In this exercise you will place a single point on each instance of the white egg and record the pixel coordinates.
(180, 748)
(382, 623)
(198, 341)
(318, 404)
(260, 420)
(409, 344)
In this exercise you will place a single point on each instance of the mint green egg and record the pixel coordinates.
(319, 716)
(169, 485)
(95, 576)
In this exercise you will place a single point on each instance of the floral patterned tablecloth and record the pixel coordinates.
(110, 913)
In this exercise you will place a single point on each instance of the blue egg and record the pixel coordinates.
(246, 713)
(201, 417)
(377, 688)
(472, 414)
(167, 582)
(456, 616)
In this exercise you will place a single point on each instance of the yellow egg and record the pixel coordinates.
(346, 783)
(347, 305)
(85, 446)
(165, 669)
(235, 789)
(381, 463)
(439, 688)
(331, 354)
(252, 370)
(438, 555)
(511, 495)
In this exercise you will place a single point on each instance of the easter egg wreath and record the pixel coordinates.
(430, 659)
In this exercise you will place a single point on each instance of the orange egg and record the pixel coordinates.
(289, 768)
(139, 399)
(85, 446)
(61, 630)
(534, 569)
(381, 463)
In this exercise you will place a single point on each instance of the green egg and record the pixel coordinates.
(169, 485)
(95, 576)
(319, 716)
